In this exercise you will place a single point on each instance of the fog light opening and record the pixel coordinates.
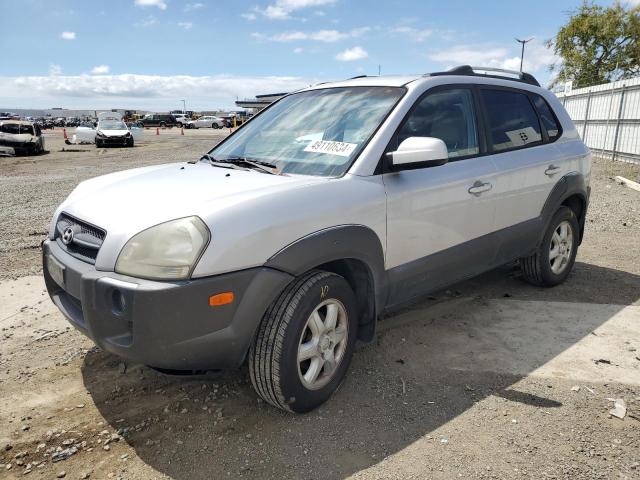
(119, 302)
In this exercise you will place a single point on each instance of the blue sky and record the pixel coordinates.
(152, 53)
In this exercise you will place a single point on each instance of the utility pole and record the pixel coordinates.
(523, 42)
(379, 69)
(184, 108)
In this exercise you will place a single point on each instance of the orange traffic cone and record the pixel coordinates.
(64, 134)
(181, 130)
(157, 130)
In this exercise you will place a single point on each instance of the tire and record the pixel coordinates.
(98, 144)
(276, 374)
(162, 125)
(130, 143)
(541, 268)
(179, 124)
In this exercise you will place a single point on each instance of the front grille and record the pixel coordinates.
(85, 240)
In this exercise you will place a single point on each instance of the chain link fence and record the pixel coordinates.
(608, 118)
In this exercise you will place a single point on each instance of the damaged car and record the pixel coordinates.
(24, 137)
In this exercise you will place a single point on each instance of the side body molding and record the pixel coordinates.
(343, 242)
(568, 186)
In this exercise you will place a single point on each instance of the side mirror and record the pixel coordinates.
(419, 152)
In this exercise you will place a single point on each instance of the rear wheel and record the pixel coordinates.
(305, 342)
(551, 263)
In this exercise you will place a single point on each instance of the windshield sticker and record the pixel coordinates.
(332, 148)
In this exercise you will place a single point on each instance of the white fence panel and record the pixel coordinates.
(608, 118)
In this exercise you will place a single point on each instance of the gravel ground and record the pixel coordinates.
(32, 187)
(491, 378)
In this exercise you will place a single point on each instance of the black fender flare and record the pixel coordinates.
(341, 242)
(569, 185)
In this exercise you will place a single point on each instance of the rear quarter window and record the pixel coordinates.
(548, 119)
(513, 122)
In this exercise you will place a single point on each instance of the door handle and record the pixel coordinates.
(551, 170)
(479, 187)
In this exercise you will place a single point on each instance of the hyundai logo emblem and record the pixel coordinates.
(67, 236)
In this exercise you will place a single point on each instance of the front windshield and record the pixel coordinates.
(16, 128)
(112, 125)
(317, 132)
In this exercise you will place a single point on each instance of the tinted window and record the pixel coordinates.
(447, 115)
(513, 122)
(546, 116)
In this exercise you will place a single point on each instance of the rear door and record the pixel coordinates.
(438, 218)
(521, 142)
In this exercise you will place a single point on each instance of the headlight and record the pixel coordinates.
(168, 251)
(100, 134)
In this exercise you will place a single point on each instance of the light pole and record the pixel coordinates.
(184, 108)
(523, 42)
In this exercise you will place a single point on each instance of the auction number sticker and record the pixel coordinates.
(330, 147)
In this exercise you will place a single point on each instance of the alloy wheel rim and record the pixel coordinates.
(322, 344)
(561, 247)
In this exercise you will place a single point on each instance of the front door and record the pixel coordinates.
(439, 218)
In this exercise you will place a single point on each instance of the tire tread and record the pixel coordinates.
(266, 349)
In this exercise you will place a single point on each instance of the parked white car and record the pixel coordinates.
(181, 119)
(208, 121)
(336, 204)
(109, 131)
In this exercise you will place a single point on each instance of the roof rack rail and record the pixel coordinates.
(490, 72)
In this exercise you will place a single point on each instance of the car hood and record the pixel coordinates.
(113, 133)
(125, 203)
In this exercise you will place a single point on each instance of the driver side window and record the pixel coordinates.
(448, 115)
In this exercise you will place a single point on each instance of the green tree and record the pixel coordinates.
(598, 45)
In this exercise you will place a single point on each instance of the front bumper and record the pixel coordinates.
(122, 140)
(167, 325)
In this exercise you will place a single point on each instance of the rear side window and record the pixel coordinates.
(547, 117)
(513, 123)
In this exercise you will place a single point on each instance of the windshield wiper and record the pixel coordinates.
(257, 164)
(239, 162)
(214, 162)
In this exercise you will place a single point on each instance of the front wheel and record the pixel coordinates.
(553, 260)
(305, 342)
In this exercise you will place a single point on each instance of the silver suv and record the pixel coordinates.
(284, 244)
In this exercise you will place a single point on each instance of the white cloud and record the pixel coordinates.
(537, 57)
(298, 50)
(416, 34)
(152, 3)
(352, 54)
(68, 35)
(326, 36)
(55, 70)
(185, 25)
(153, 92)
(282, 9)
(249, 16)
(193, 6)
(146, 22)
(100, 70)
